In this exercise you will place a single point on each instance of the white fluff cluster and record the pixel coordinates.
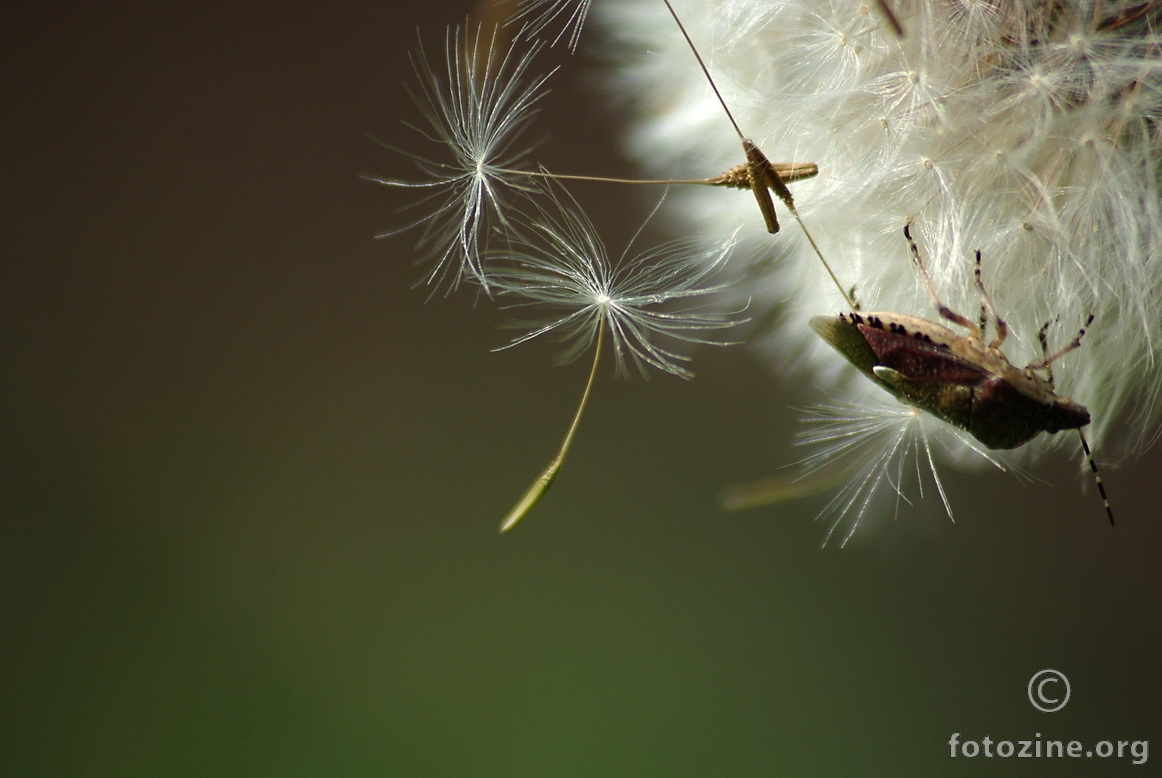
(1027, 130)
(556, 264)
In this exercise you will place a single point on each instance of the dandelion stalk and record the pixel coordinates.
(542, 483)
(777, 489)
(737, 177)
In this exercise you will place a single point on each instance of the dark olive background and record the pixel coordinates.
(250, 479)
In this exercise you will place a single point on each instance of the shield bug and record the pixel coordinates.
(959, 378)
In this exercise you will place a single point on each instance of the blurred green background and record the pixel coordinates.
(250, 480)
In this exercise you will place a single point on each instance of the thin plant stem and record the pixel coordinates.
(606, 180)
(787, 172)
(539, 486)
(705, 69)
(826, 264)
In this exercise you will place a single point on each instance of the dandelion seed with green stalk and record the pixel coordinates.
(871, 450)
(559, 266)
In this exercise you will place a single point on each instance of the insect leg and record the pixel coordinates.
(943, 309)
(886, 10)
(1041, 336)
(1048, 360)
(986, 304)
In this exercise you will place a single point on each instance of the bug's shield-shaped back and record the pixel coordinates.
(910, 374)
(1000, 406)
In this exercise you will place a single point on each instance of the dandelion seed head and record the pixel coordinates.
(1027, 130)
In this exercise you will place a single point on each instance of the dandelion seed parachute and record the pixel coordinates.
(1028, 130)
(558, 265)
(556, 261)
(885, 447)
(476, 107)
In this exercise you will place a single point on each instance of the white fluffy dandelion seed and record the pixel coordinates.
(882, 448)
(873, 454)
(476, 109)
(559, 266)
(558, 263)
(1026, 129)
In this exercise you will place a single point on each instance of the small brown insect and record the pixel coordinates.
(959, 378)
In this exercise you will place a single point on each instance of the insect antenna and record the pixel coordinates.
(761, 173)
(1101, 489)
(1046, 364)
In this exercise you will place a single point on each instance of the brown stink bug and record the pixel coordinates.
(959, 378)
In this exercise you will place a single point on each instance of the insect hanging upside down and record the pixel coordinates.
(959, 378)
